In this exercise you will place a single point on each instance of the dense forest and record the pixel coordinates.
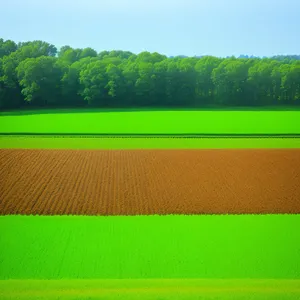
(36, 74)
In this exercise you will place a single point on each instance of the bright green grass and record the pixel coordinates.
(224, 246)
(144, 143)
(180, 289)
(169, 122)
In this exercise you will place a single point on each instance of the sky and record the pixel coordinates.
(171, 27)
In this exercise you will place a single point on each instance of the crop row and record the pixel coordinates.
(131, 182)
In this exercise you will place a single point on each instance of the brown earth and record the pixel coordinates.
(129, 182)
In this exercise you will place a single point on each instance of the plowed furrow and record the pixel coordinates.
(130, 182)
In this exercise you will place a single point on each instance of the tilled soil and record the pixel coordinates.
(131, 182)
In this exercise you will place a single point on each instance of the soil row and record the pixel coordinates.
(131, 182)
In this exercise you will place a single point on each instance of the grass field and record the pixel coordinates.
(156, 122)
(23, 142)
(172, 257)
(199, 246)
(169, 289)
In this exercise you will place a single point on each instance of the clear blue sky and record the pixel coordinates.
(171, 27)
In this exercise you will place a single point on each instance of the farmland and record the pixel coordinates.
(155, 122)
(130, 182)
(116, 247)
(129, 217)
(150, 256)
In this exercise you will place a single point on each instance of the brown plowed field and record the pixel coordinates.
(129, 182)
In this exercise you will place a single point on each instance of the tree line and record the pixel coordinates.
(36, 74)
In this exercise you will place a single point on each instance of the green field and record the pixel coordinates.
(155, 122)
(203, 246)
(25, 142)
(155, 257)
(149, 289)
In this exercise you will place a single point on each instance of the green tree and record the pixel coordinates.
(130, 74)
(40, 80)
(34, 73)
(9, 80)
(94, 81)
(72, 90)
(160, 83)
(116, 88)
(262, 82)
(188, 78)
(70, 55)
(291, 84)
(144, 85)
(7, 47)
(38, 48)
(173, 86)
(63, 49)
(230, 80)
(87, 52)
(205, 87)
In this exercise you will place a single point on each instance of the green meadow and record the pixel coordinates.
(154, 122)
(150, 257)
(174, 246)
